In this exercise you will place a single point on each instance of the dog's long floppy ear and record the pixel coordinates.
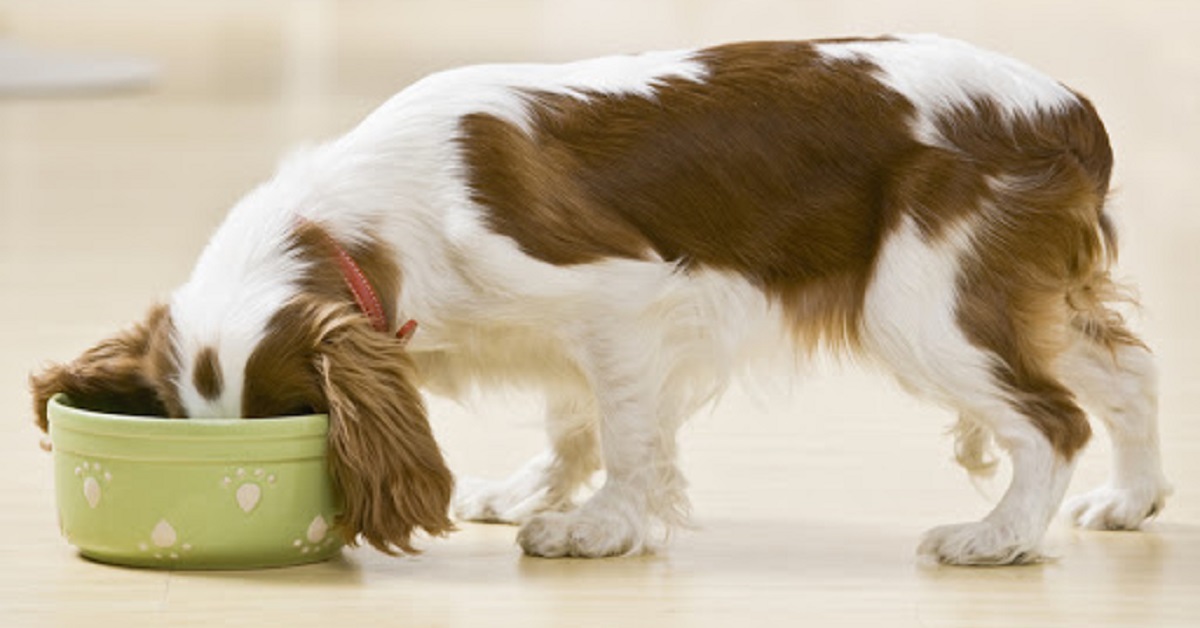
(127, 373)
(382, 452)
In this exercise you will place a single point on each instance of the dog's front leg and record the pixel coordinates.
(549, 481)
(637, 434)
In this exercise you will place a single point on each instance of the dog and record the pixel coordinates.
(625, 234)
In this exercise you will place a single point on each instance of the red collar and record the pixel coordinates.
(364, 293)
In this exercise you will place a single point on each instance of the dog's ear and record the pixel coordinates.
(128, 373)
(382, 452)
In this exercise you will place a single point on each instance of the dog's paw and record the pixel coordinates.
(978, 543)
(582, 533)
(496, 502)
(1110, 508)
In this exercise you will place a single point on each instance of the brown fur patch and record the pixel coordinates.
(382, 452)
(279, 378)
(790, 169)
(322, 278)
(206, 375)
(778, 166)
(131, 373)
(320, 354)
(1040, 247)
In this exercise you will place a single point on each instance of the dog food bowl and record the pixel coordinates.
(196, 493)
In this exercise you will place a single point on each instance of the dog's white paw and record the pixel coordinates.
(582, 533)
(1110, 508)
(497, 502)
(979, 543)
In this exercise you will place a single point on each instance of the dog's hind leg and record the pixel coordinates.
(1013, 530)
(550, 480)
(966, 346)
(1113, 375)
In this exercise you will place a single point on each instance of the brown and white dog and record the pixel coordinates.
(625, 233)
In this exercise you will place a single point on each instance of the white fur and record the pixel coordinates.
(909, 317)
(937, 74)
(1119, 388)
(627, 349)
(241, 279)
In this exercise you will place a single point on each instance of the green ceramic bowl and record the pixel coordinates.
(193, 494)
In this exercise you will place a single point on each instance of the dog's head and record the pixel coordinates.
(314, 351)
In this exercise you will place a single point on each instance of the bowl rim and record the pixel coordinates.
(64, 415)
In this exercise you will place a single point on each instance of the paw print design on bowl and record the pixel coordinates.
(196, 494)
(316, 538)
(249, 491)
(94, 476)
(164, 542)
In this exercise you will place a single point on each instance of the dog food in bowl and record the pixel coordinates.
(196, 493)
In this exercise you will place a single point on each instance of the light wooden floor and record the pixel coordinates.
(808, 504)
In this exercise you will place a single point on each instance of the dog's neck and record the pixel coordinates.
(360, 287)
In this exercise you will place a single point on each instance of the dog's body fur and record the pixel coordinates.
(625, 233)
